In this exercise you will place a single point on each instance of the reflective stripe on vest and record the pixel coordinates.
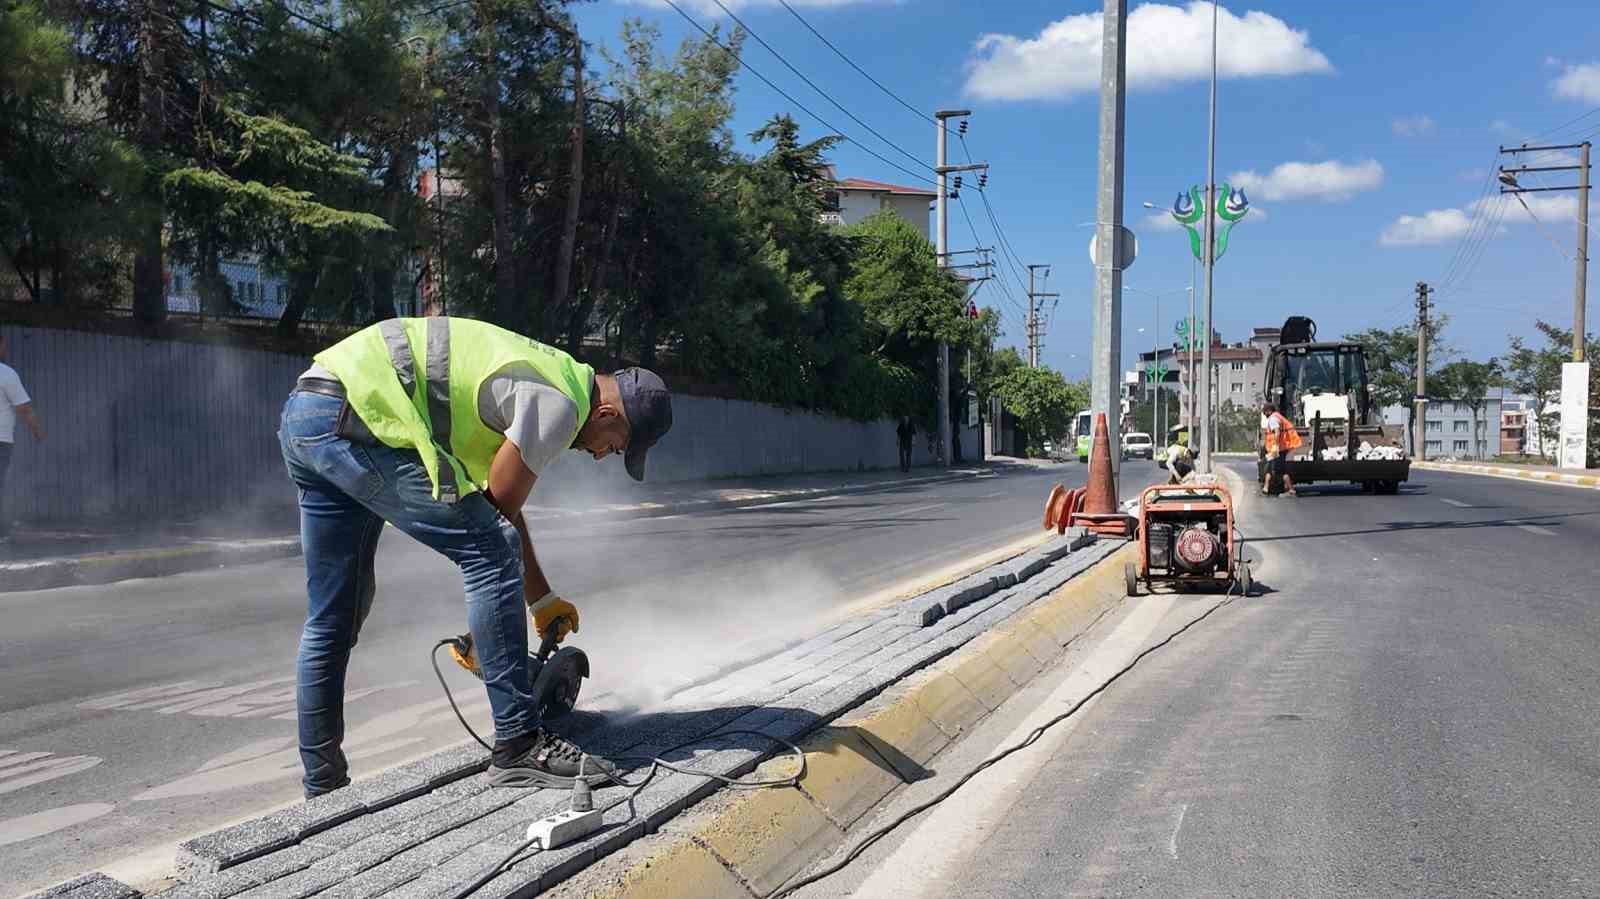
(437, 381)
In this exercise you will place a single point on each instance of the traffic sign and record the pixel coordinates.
(1130, 249)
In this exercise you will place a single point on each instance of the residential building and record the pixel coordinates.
(1513, 427)
(1455, 430)
(853, 199)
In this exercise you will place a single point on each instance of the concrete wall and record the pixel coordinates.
(855, 205)
(165, 430)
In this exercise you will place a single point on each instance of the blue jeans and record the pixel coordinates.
(347, 492)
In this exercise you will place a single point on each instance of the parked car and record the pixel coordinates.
(1138, 445)
(1056, 451)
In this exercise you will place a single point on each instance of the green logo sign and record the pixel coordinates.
(1182, 330)
(1156, 373)
(1232, 205)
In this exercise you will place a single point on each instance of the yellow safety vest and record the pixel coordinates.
(415, 383)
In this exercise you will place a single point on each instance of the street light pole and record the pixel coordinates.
(1206, 424)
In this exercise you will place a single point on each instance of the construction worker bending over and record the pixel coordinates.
(1278, 439)
(1180, 462)
(440, 426)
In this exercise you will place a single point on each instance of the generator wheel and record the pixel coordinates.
(1245, 583)
(1130, 574)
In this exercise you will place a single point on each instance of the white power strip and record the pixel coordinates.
(557, 830)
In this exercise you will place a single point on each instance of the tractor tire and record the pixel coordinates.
(1130, 574)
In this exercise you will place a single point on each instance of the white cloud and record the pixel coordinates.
(1331, 181)
(1551, 209)
(1444, 225)
(1161, 221)
(1552, 60)
(1580, 82)
(1413, 126)
(1433, 227)
(1166, 45)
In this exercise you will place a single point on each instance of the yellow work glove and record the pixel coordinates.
(464, 655)
(546, 610)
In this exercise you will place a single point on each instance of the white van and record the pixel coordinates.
(1138, 445)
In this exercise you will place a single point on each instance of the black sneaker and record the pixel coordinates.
(542, 759)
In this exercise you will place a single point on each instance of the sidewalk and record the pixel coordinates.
(104, 552)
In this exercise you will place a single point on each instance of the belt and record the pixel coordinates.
(324, 386)
(350, 426)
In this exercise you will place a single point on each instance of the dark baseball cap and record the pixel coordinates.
(648, 406)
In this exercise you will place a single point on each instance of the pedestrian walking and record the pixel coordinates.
(905, 432)
(440, 426)
(15, 405)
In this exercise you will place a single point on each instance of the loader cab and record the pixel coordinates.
(1330, 378)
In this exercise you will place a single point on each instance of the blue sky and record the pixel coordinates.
(1364, 139)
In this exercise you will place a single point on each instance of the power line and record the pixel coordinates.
(825, 95)
(784, 94)
(851, 63)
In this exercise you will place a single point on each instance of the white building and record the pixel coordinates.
(854, 199)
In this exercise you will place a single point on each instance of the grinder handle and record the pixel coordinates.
(547, 644)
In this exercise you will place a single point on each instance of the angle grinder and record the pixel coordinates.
(555, 674)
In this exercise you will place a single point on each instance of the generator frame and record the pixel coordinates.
(1181, 505)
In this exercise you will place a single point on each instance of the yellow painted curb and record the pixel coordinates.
(681, 868)
(766, 837)
(1584, 481)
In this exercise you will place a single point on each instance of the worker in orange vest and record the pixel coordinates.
(1278, 439)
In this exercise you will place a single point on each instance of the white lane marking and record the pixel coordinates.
(264, 761)
(27, 827)
(914, 509)
(991, 495)
(1535, 529)
(915, 869)
(272, 698)
(10, 757)
(1172, 844)
(1456, 502)
(44, 768)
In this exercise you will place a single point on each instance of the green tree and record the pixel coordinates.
(1467, 383)
(1537, 372)
(1391, 355)
(1043, 401)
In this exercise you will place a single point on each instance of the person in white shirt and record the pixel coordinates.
(14, 404)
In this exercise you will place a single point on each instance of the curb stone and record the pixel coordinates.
(89, 886)
(1546, 476)
(109, 567)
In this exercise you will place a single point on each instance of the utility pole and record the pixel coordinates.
(1574, 445)
(1035, 326)
(1419, 436)
(941, 247)
(1206, 379)
(1105, 365)
(1580, 294)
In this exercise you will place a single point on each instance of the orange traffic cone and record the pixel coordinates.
(1099, 511)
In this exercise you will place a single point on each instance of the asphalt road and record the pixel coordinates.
(136, 714)
(1410, 710)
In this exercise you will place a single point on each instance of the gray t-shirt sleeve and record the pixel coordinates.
(532, 413)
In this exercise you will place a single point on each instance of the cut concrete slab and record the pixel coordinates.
(89, 886)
